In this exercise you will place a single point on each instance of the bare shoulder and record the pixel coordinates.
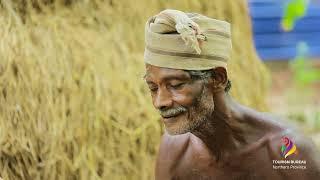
(282, 128)
(171, 151)
(305, 145)
(182, 156)
(279, 128)
(290, 144)
(285, 142)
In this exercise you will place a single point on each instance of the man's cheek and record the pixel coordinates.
(186, 99)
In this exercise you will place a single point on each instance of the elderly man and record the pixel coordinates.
(208, 134)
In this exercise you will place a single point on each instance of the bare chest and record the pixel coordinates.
(198, 164)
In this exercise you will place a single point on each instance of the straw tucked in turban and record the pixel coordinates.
(189, 41)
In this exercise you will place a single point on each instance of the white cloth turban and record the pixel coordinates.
(189, 41)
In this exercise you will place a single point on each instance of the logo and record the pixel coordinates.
(288, 147)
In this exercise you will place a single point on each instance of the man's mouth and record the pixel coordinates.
(171, 116)
(170, 113)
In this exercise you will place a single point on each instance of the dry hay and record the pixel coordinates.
(73, 104)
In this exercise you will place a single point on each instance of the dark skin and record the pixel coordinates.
(227, 142)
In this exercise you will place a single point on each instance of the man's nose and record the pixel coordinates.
(163, 100)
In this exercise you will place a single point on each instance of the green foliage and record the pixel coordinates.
(293, 11)
(304, 74)
(302, 93)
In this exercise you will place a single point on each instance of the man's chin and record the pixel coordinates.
(182, 128)
(173, 125)
(175, 130)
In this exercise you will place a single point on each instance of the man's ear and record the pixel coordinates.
(219, 78)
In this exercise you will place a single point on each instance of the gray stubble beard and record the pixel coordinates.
(198, 114)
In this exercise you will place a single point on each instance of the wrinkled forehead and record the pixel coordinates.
(162, 73)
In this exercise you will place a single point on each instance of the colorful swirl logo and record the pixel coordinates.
(288, 147)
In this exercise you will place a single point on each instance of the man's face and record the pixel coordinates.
(182, 102)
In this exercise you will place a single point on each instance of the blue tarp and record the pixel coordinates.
(271, 41)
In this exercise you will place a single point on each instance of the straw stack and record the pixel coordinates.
(73, 104)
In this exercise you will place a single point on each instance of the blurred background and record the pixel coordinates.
(73, 104)
(287, 38)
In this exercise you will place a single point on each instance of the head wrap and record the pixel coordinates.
(188, 41)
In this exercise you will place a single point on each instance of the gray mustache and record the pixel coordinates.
(172, 112)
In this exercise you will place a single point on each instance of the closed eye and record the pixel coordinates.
(177, 85)
(152, 87)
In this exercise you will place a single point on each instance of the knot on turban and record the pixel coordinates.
(169, 21)
(190, 41)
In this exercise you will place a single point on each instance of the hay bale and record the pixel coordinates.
(73, 104)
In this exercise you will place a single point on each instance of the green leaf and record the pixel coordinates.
(293, 11)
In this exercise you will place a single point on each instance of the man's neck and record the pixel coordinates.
(222, 132)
